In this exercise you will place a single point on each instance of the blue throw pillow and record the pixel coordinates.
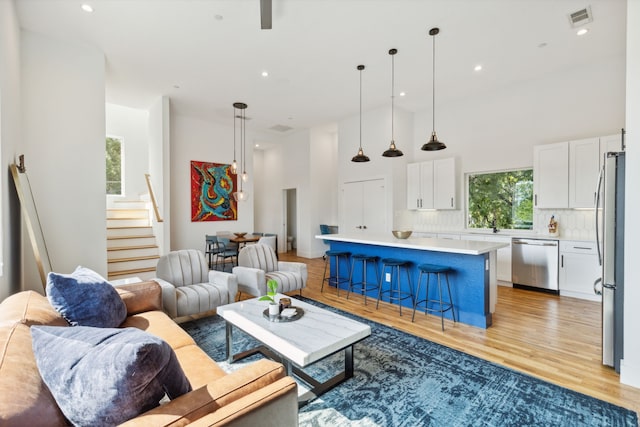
(105, 376)
(84, 298)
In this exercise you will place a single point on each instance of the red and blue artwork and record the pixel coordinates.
(212, 188)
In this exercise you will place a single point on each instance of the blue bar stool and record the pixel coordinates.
(363, 286)
(334, 280)
(395, 294)
(440, 305)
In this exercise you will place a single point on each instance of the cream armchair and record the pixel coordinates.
(258, 263)
(188, 287)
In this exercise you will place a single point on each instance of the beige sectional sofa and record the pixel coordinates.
(259, 394)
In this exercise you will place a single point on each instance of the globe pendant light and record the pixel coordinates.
(392, 151)
(241, 195)
(434, 144)
(360, 157)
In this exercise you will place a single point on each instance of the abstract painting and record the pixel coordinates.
(212, 188)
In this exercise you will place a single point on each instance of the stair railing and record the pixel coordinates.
(156, 209)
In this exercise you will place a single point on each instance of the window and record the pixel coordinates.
(114, 166)
(501, 198)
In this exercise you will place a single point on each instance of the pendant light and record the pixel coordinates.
(392, 151)
(234, 165)
(360, 157)
(240, 195)
(434, 144)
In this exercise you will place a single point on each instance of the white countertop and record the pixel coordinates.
(468, 247)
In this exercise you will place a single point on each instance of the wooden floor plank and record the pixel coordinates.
(553, 338)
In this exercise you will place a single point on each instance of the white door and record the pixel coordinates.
(374, 206)
(364, 207)
(352, 200)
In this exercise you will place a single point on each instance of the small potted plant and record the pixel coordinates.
(274, 307)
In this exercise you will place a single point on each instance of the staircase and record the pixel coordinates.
(132, 250)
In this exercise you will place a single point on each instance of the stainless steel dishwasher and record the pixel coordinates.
(534, 263)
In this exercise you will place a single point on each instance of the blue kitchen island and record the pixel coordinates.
(473, 280)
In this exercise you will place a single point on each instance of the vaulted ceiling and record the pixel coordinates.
(207, 54)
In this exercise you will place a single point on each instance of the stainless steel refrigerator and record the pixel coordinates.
(610, 242)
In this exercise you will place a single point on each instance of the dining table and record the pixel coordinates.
(247, 238)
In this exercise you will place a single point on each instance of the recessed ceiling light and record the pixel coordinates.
(403, 93)
(477, 67)
(582, 31)
(87, 8)
(265, 74)
(257, 145)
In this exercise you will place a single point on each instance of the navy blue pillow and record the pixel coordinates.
(105, 376)
(84, 298)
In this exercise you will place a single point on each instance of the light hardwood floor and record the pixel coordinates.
(553, 338)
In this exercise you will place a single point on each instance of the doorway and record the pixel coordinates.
(290, 220)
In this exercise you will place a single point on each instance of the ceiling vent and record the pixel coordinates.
(581, 17)
(281, 128)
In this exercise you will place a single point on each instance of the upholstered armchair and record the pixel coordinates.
(188, 287)
(258, 263)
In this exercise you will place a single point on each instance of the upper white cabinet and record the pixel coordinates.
(565, 174)
(610, 143)
(432, 184)
(444, 183)
(420, 185)
(550, 177)
(584, 166)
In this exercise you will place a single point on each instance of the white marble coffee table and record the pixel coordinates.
(319, 333)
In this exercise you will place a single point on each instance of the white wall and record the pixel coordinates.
(630, 369)
(196, 139)
(323, 183)
(63, 128)
(376, 137)
(160, 168)
(131, 124)
(10, 146)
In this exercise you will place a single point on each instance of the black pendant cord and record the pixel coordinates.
(433, 85)
(360, 68)
(392, 93)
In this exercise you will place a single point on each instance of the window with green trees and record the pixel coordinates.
(501, 198)
(114, 165)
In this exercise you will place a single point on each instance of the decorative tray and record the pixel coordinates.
(282, 319)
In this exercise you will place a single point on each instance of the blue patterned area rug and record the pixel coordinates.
(403, 380)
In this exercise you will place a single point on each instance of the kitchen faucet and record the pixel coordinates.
(493, 224)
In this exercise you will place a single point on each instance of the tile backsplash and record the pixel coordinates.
(572, 223)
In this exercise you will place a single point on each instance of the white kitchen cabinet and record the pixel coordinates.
(363, 206)
(503, 255)
(584, 166)
(579, 268)
(420, 185)
(610, 143)
(503, 264)
(550, 175)
(444, 183)
(432, 184)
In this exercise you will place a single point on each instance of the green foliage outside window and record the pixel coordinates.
(114, 166)
(503, 197)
